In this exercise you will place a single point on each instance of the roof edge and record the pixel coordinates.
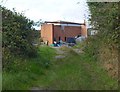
(63, 22)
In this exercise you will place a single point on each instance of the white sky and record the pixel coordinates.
(50, 10)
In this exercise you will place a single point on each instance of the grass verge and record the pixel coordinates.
(23, 72)
(76, 72)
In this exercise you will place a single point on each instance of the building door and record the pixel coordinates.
(65, 39)
(59, 38)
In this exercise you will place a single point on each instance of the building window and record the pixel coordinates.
(54, 39)
(59, 38)
(65, 38)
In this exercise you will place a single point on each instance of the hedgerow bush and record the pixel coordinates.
(17, 36)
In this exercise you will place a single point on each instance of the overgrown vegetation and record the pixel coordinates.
(22, 72)
(18, 36)
(75, 72)
(105, 45)
(26, 66)
(105, 18)
(22, 61)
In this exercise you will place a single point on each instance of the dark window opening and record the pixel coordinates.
(79, 35)
(59, 39)
(54, 39)
(65, 38)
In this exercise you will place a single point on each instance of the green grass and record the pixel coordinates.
(0, 61)
(76, 72)
(0, 37)
(73, 72)
(0, 81)
(23, 72)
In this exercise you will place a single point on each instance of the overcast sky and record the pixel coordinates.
(50, 10)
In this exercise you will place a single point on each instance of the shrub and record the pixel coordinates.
(18, 36)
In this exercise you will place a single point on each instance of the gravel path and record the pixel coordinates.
(78, 51)
(60, 53)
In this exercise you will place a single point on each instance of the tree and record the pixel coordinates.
(105, 17)
(18, 35)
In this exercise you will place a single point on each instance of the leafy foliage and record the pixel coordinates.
(105, 18)
(22, 72)
(105, 45)
(18, 35)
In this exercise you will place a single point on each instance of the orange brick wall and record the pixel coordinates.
(50, 31)
(47, 33)
(84, 30)
(69, 31)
